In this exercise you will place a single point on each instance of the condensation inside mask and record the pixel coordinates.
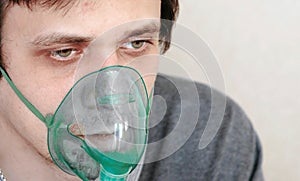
(101, 122)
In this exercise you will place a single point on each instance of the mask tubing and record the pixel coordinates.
(22, 98)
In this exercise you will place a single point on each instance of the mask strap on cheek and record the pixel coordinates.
(31, 107)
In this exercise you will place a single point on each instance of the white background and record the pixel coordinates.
(257, 43)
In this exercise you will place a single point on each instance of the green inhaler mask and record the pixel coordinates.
(99, 130)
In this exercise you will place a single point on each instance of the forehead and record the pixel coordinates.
(58, 4)
(88, 17)
(66, 5)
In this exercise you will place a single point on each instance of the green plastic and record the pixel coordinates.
(107, 176)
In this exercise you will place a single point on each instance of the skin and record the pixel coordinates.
(44, 76)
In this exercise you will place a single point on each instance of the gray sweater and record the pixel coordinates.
(234, 153)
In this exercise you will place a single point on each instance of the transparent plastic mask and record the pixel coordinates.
(100, 127)
(102, 121)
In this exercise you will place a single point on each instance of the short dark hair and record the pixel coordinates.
(169, 12)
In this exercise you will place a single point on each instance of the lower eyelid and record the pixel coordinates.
(63, 62)
(133, 52)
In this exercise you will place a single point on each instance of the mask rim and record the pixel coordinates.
(146, 108)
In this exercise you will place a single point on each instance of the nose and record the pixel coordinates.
(112, 60)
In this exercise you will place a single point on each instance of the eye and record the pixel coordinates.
(135, 45)
(65, 54)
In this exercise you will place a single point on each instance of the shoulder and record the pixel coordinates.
(200, 133)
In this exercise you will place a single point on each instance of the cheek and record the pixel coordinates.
(21, 122)
(42, 89)
(148, 68)
(44, 85)
(48, 97)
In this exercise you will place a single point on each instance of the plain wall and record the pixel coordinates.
(257, 44)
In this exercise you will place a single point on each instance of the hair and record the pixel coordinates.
(169, 12)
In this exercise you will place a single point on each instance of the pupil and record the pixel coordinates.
(64, 53)
(137, 44)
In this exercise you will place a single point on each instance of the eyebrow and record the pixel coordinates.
(152, 27)
(55, 38)
(60, 38)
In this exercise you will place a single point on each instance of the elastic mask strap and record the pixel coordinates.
(23, 99)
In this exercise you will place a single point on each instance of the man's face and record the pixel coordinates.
(42, 48)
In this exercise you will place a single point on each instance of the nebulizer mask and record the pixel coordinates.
(99, 130)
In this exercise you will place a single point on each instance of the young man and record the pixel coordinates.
(42, 42)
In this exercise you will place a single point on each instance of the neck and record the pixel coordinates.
(19, 160)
